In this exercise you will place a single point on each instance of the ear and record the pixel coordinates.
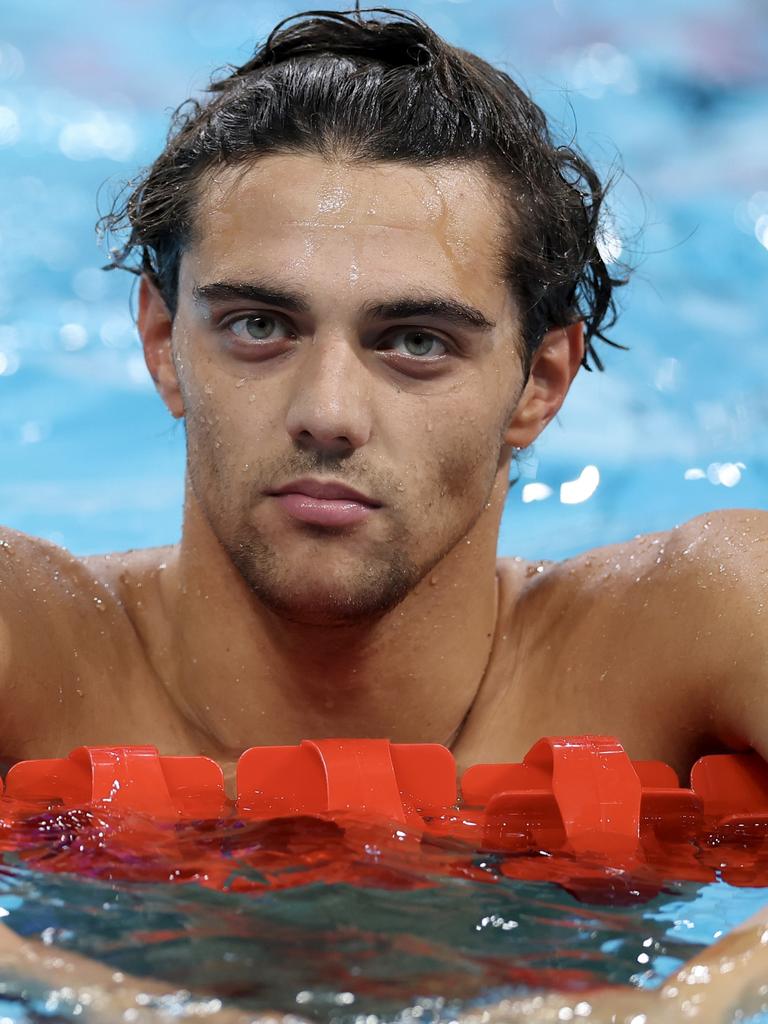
(555, 364)
(155, 328)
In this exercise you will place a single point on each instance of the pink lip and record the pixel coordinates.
(324, 504)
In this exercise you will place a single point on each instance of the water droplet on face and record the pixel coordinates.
(99, 604)
(241, 382)
(400, 487)
(251, 398)
(208, 389)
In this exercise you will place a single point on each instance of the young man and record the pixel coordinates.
(368, 279)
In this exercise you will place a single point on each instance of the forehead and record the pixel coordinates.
(302, 212)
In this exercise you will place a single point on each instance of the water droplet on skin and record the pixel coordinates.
(208, 389)
(241, 382)
(433, 581)
(251, 398)
(400, 487)
(99, 604)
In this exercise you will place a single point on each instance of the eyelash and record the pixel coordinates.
(291, 335)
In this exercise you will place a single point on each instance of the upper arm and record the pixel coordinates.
(46, 621)
(721, 560)
(33, 576)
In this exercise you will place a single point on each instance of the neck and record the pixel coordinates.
(245, 677)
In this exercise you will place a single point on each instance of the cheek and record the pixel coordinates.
(471, 444)
(468, 467)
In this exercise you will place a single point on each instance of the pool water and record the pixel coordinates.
(675, 427)
(332, 920)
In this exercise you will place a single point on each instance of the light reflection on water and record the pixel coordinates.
(332, 919)
(405, 925)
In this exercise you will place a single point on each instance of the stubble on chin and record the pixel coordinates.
(305, 591)
(304, 585)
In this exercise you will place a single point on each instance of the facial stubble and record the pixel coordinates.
(383, 573)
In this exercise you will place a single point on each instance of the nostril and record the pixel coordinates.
(337, 443)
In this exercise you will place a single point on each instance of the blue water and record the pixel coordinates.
(674, 89)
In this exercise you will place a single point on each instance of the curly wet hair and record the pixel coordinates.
(380, 85)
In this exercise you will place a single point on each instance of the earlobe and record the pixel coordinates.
(555, 363)
(155, 328)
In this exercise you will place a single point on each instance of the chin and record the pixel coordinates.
(316, 594)
(321, 606)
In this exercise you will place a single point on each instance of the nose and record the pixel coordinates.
(329, 410)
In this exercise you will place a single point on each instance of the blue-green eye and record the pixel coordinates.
(259, 327)
(416, 342)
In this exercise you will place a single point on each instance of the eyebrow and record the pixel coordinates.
(406, 308)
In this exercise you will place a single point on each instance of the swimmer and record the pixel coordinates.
(368, 278)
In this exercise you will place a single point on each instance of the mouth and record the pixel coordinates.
(324, 503)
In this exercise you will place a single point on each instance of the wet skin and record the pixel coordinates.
(261, 628)
(367, 337)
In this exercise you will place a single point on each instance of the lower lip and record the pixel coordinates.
(323, 511)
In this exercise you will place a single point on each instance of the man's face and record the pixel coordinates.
(378, 348)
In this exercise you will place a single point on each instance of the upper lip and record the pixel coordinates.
(328, 489)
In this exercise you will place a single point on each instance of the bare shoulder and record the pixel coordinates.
(721, 550)
(65, 630)
(43, 573)
(38, 571)
(661, 640)
(51, 601)
(125, 572)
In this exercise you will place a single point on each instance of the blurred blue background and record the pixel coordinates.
(675, 91)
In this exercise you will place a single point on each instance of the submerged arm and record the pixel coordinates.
(73, 984)
(726, 978)
(729, 976)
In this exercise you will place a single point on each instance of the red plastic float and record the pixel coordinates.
(579, 798)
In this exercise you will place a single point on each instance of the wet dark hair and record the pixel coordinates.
(386, 88)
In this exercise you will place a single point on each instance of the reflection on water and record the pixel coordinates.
(303, 915)
(338, 918)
